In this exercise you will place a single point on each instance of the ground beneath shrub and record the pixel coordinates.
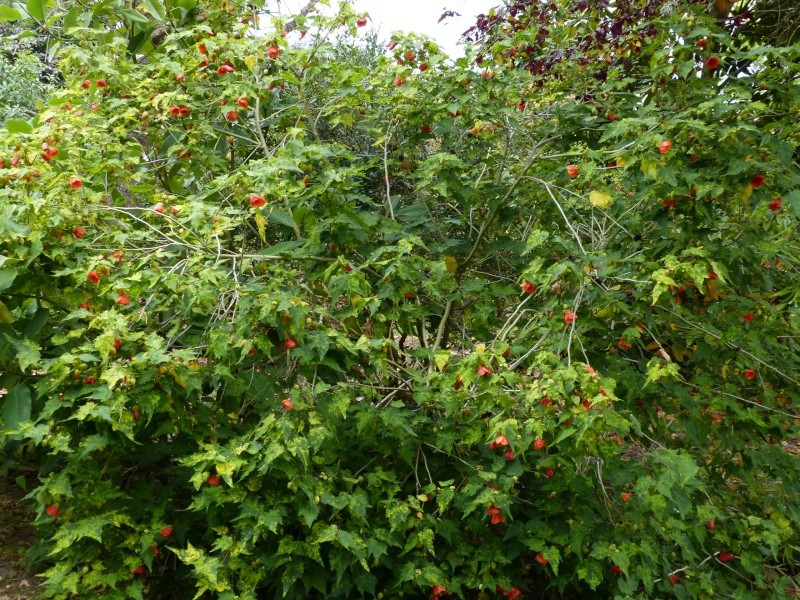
(16, 536)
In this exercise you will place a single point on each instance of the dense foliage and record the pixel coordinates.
(281, 319)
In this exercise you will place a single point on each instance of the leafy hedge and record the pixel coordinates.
(278, 325)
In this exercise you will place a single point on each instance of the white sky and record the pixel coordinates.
(420, 16)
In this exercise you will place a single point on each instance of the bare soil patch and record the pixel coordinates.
(16, 536)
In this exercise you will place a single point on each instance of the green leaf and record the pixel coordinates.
(36, 322)
(36, 9)
(156, 8)
(134, 590)
(282, 248)
(134, 16)
(187, 5)
(7, 13)
(272, 519)
(792, 200)
(281, 217)
(18, 126)
(27, 352)
(71, 18)
(138, 40)
(35, 250)
(16, 406)
(591, 573)
(535, 239)
(309, 512)
(346, 539)
(366, 582)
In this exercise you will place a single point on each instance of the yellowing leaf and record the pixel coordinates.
(745, 193)
(600, 199)
(442, 359)
(725, 368)
(178, 379)
(451, 264)
(712, 291)
(681, 354)
(621, 161)
(261, 224)
(649, 167)
(250, 61)
(5, 315)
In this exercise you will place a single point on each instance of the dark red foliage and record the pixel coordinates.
(621, 25)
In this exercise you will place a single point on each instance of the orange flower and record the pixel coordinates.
(496, 516)
(725, 556)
